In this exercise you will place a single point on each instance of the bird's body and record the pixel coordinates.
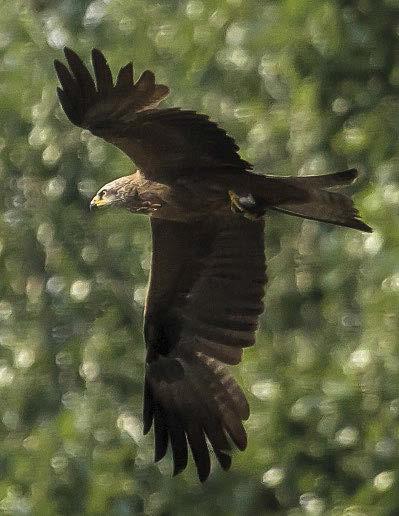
(177, 199)
(208, 267)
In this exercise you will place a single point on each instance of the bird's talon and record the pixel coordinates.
(246, 205)
(235, 204)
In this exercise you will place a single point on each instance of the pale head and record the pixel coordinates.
(115, 193)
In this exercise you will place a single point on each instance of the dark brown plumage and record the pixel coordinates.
(208, 267)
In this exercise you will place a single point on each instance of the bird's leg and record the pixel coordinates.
(246, 205)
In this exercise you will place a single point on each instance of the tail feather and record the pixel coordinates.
(324, 206)
(308, 197)
(346, 177)
(305, 213)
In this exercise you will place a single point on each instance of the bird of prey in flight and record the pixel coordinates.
(208, 270)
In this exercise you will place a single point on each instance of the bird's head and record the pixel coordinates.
(115, 193)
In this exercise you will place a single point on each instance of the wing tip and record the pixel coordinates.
(224, 459)
(58, 66)
(246, 412)
(97, 56)
(68, 52)
(362, 226)
(203, 478)
(242, 443)
(352, 173)
(178, 468)
(159, 454)
(346, 177)
(147, 427)
(61, 70)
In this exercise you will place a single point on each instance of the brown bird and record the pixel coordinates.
(208, 267)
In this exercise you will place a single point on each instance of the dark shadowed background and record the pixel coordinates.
(306, 87)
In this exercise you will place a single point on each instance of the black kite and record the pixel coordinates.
(208, 267)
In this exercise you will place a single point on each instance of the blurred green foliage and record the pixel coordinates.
(306, 87)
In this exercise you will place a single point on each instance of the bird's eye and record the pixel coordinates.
(102, 193)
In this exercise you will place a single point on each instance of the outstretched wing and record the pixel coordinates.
(160, 142)
(205, 297)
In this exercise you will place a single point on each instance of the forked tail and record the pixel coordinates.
(308, 197)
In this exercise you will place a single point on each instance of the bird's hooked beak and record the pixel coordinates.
(98, 201)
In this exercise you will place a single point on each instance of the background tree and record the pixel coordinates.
(305, 87)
